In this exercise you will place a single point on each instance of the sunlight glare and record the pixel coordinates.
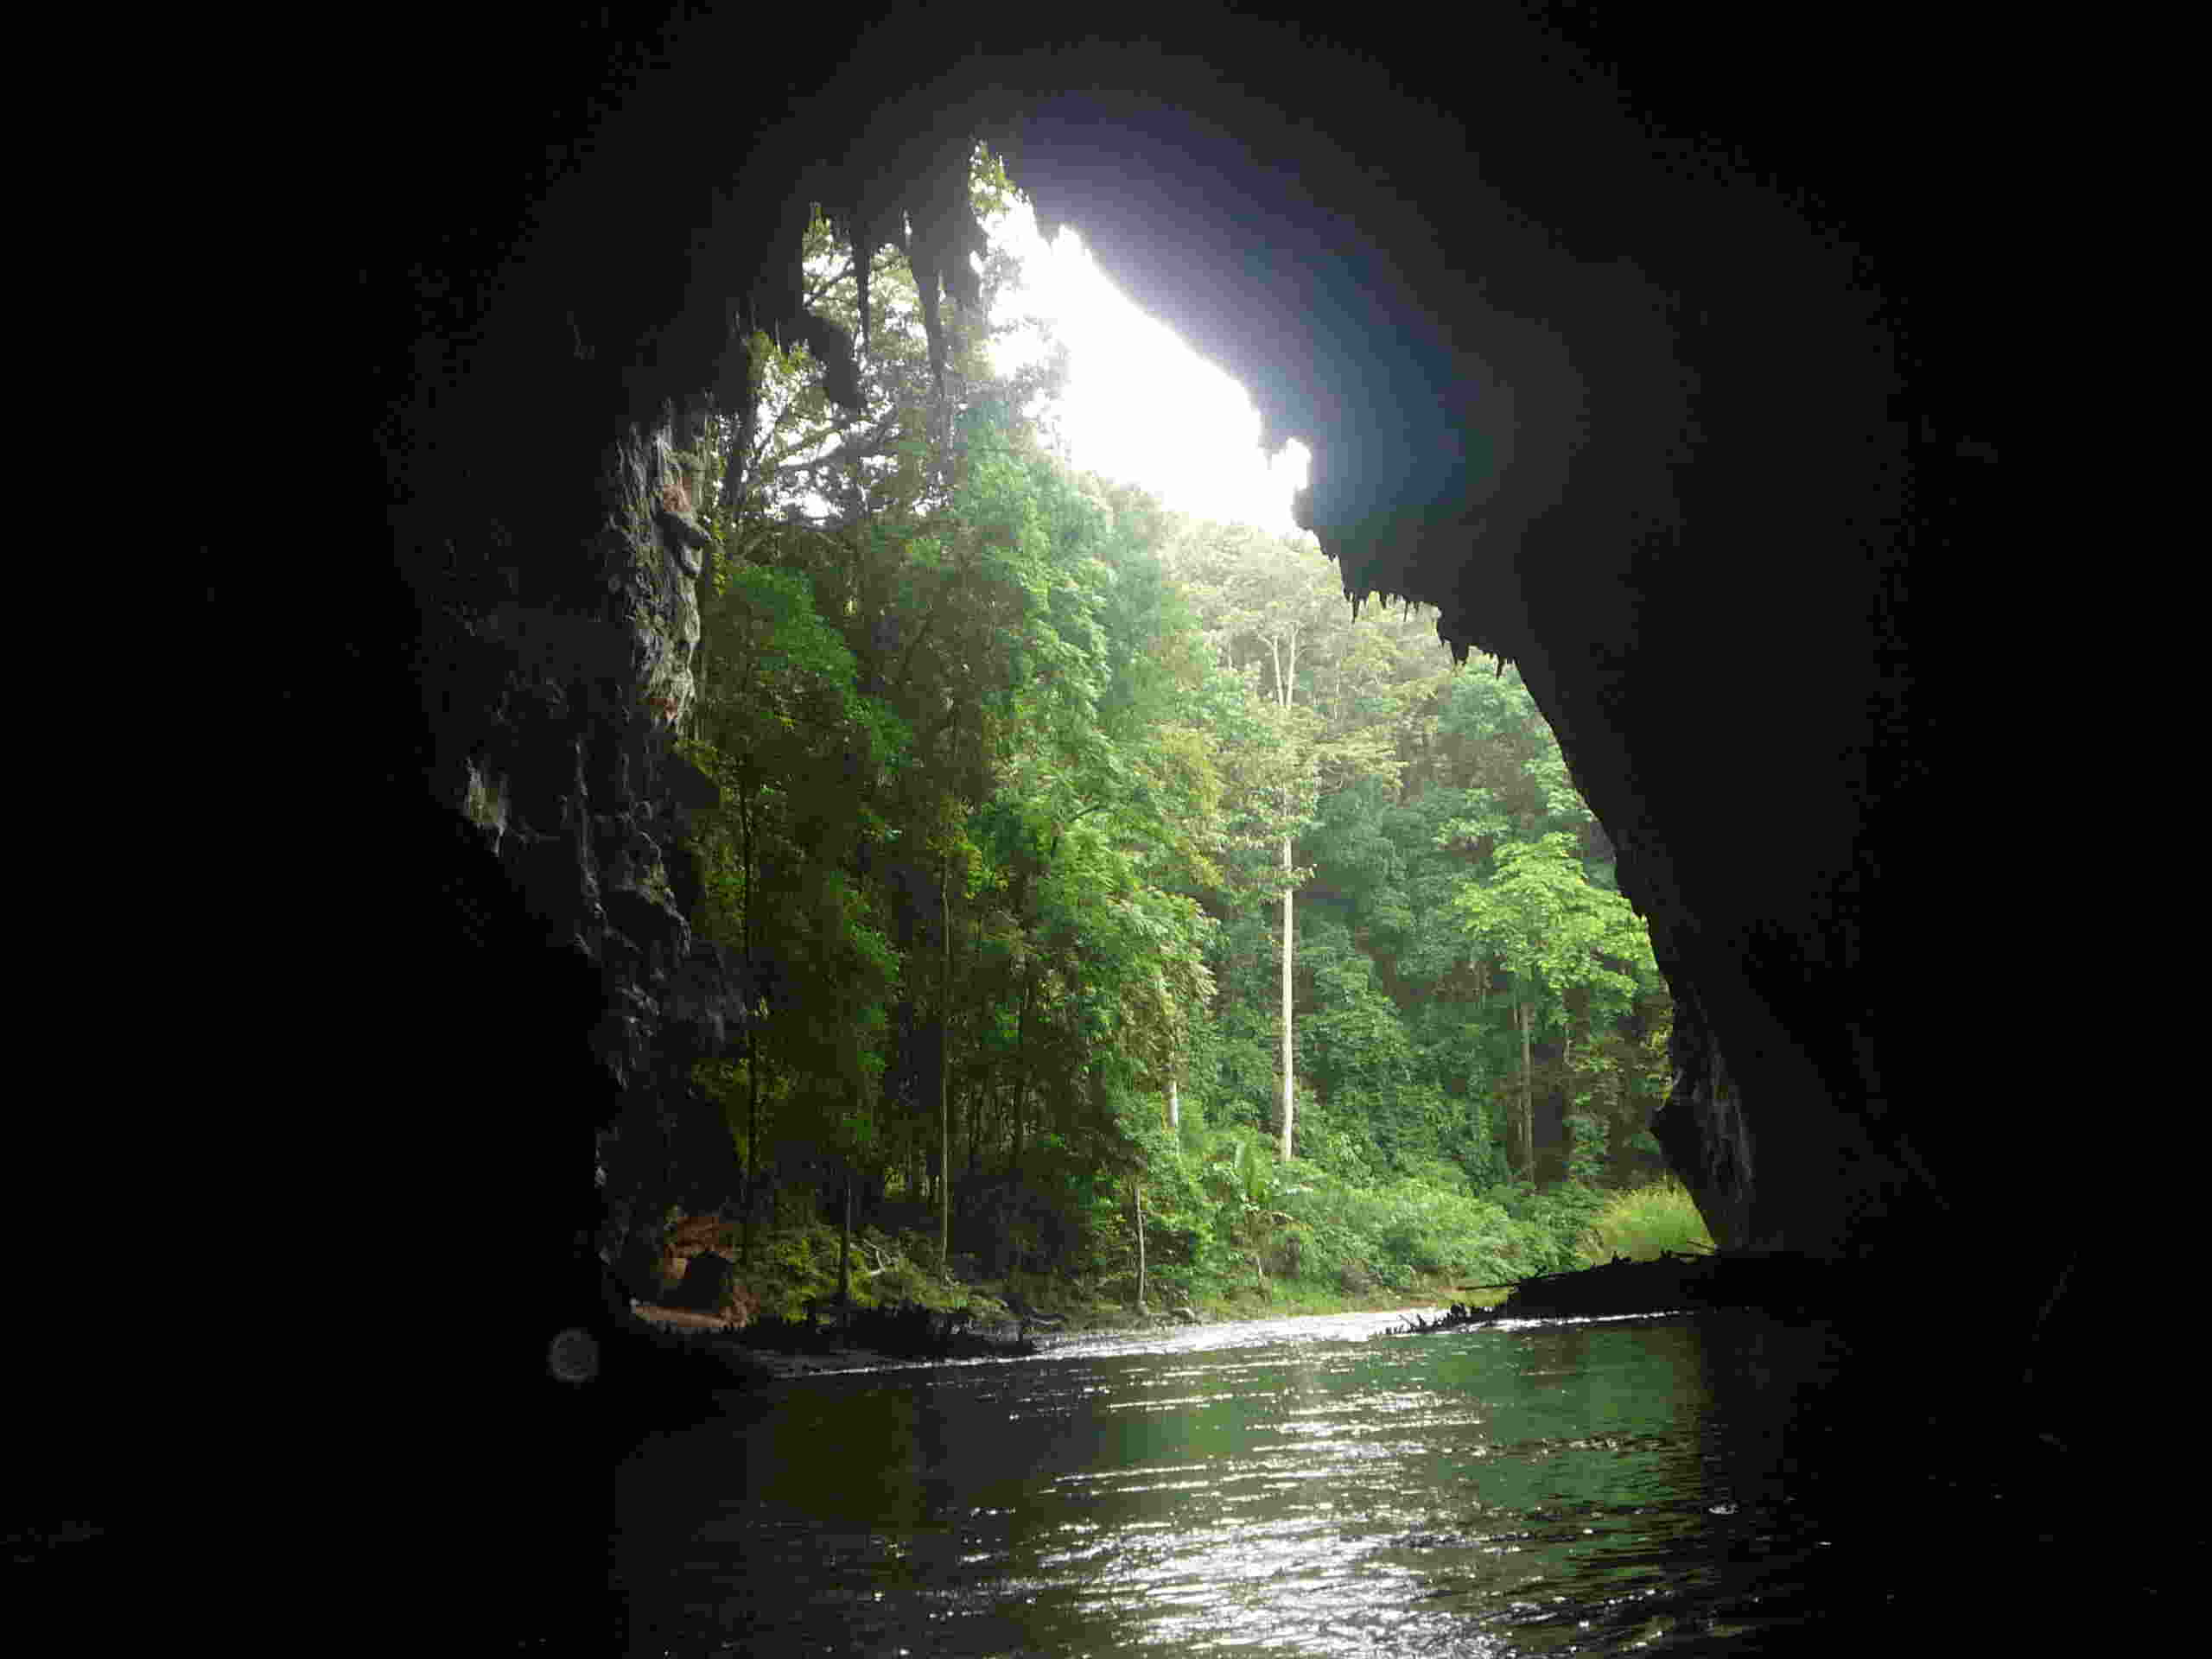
(1141, 406)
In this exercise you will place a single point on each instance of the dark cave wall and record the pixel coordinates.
(556, 659)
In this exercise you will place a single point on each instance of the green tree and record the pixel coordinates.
(1555, 934)
(1017, 770)
(793, 745)
(1274, 610)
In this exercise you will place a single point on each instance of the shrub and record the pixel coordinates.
(1586, 1162)
(1549, 1224)
(1645, 1221)
(1439, 1172)
(1363, 1237)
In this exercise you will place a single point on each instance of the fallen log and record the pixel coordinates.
(1787, 1285)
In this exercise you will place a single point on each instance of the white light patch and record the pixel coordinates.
(1141, 406)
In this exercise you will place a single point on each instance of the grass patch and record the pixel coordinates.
(1642, 1223)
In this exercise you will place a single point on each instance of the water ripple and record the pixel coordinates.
(1283, 1487)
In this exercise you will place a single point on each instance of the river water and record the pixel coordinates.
(1313, 1486)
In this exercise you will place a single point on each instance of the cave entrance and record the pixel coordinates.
(1489, 854)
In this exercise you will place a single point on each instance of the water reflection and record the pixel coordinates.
(1299, 1487)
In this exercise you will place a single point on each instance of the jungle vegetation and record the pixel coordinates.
(1117, 904)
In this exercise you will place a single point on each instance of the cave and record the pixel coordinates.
(1676, 388)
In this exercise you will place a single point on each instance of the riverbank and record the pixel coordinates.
(1340, 1259)
(778, 1352)
(751, 1361)
(764, 1313)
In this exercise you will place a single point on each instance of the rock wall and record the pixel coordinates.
(504, 983)
(559, 670)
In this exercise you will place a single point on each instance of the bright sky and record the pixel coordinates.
(1141, 406)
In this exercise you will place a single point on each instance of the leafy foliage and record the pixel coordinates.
(1014, 769)
(1641, 1224)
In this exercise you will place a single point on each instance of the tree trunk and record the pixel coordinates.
(1174, 1108)
(943, 1088)
(845, 1250)
(1137, 1197)
(1289, 1094)
(752, 1142)
(752, 1043)
(1526, 1126)
(1570, 1106)
(1018, 1085)
(1286, 683)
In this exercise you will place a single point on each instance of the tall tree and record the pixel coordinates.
(1561, 940)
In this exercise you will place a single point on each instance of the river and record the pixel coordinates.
(1313, 1486)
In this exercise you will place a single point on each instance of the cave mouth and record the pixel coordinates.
(1126, 370)
(1537, 341)
(1676, 392)
(1738, 591)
